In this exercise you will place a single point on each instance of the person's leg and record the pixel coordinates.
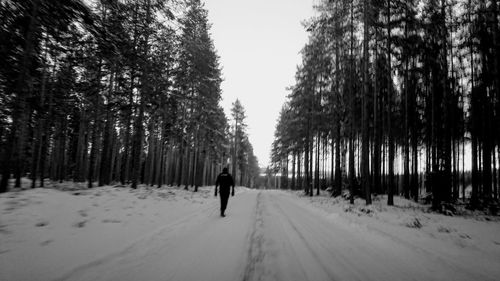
(224, 196)
(221, 203)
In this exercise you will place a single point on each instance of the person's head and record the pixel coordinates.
(224, 170)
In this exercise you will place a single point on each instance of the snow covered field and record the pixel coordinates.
(116, 233)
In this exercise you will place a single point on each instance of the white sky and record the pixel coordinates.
(258, 43)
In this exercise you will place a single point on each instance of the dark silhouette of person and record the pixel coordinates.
(225, 181)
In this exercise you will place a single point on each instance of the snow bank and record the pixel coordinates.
(472, 241)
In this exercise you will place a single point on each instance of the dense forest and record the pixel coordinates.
(396, 97)
(115, 91)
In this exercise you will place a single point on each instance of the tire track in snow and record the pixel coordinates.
(341, 252)
(255, 254)
(331, 247)
(312, 252)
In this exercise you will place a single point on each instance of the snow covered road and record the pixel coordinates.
(272, 235)
(302, 244)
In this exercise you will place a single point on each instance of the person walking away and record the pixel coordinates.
(225, 181)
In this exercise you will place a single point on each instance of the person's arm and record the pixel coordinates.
(232, 181)
(216, 185)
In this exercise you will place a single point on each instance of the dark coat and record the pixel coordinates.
(225, 181)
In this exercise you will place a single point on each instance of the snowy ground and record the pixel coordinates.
(115, 233)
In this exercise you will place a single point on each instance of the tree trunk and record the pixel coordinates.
(351, 110)
(306, 167)
(338, 156)
(81, 149)
(376, 126)
(105, 167)
(365, 159)
(317, 176)
(137, 145)
(299, 170)
(294, 157)
(93, 153)
(390, 191)
(474, 153)
(446, 142)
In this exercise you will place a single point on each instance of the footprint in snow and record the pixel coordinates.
(46, 242)
(444, 229)
(464, 236)
(111, 221)
(42, 224)
(80, 224)
(3, 229)
(4, 251)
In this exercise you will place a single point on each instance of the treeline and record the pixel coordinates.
(119, 91)
(246, 169)
(388, 84)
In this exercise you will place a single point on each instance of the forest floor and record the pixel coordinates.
(66, 232)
